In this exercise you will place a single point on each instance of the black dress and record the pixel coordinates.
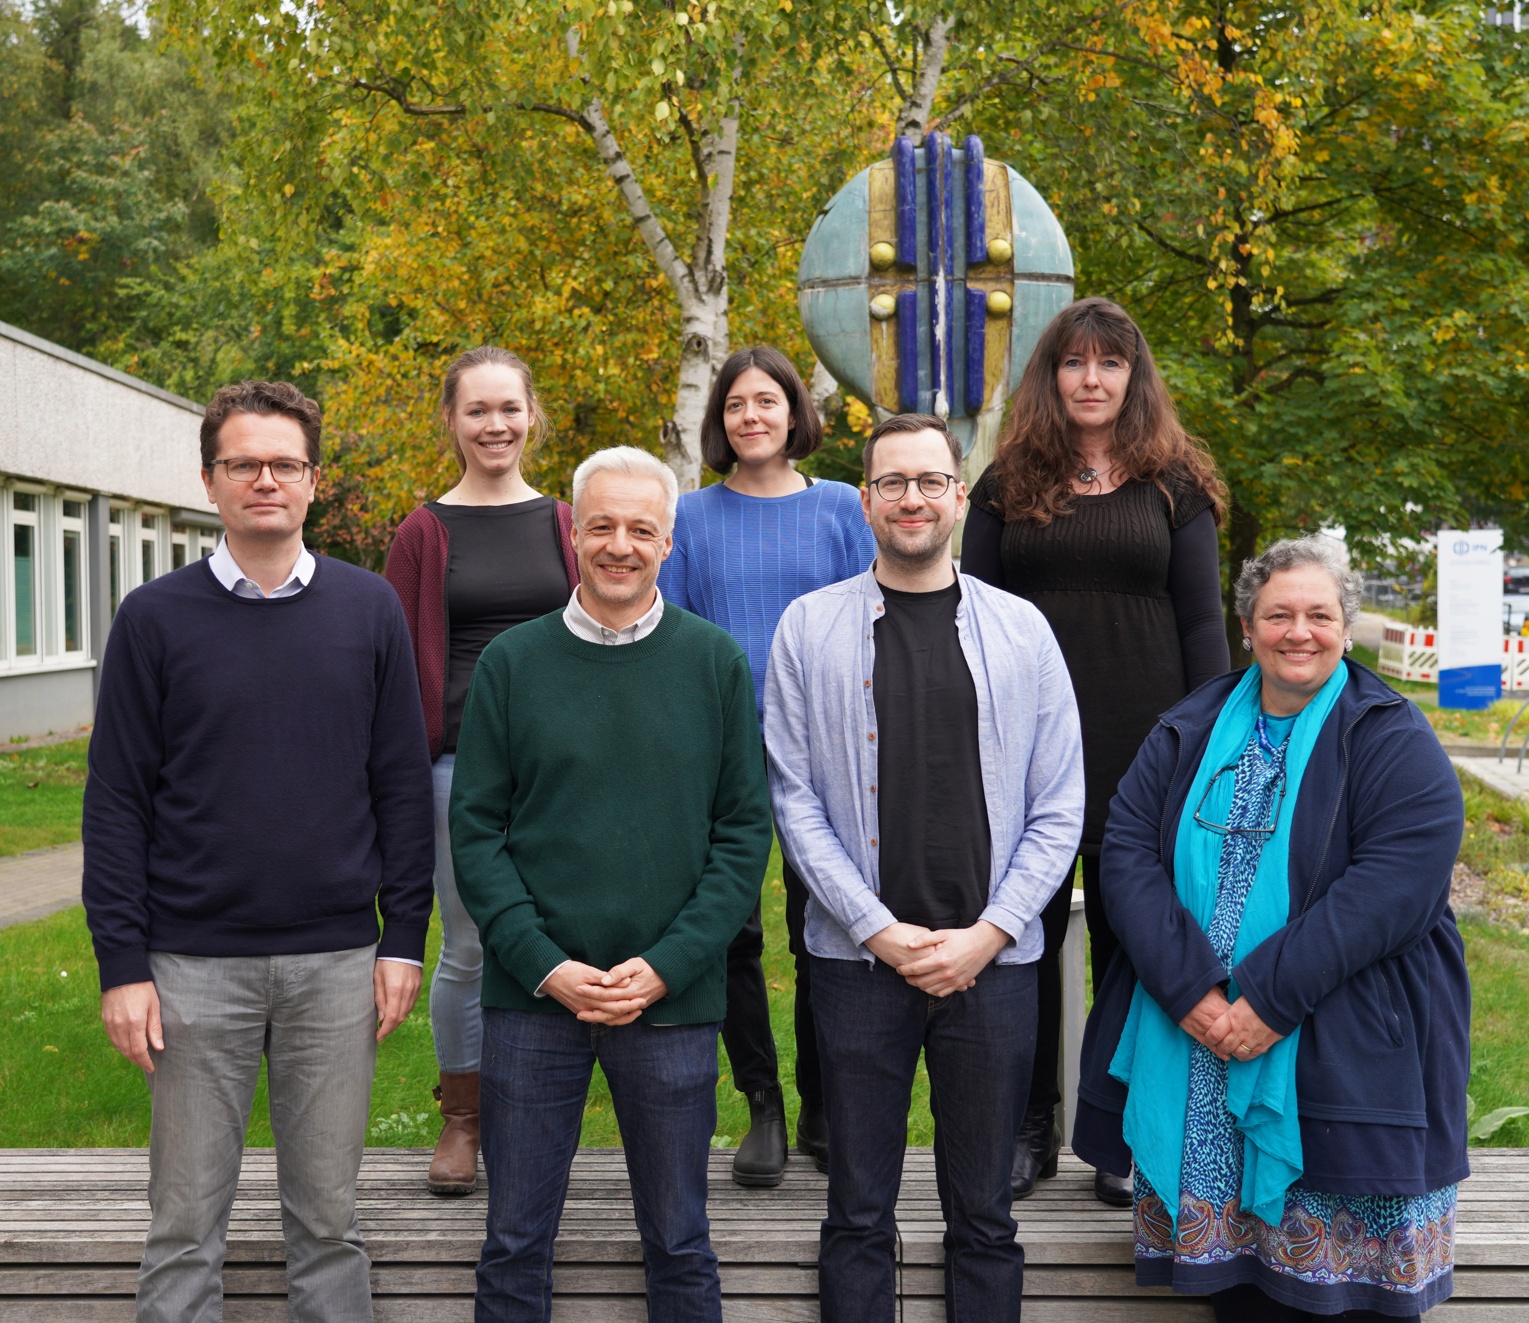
(1130, 584)
(1132, 590)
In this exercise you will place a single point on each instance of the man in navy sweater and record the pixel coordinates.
(259, 789)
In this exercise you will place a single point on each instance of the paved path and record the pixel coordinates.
(38, 883)
(1501, 776)
(1370, 629)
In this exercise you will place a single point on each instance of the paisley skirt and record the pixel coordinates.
(1392, 1254)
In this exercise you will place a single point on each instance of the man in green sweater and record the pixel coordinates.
(610, 822)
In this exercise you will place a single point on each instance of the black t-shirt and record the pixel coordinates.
(935, 846)
(505, 567)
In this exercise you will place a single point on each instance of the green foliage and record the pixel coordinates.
(1487, 1126)
(110, 152)
(41, 791)
(1316, 212)
(1499, 967)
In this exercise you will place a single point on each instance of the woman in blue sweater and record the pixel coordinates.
(744, 549)
(1283, 1038)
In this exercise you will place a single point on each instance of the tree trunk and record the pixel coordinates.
(1242, 533)
(699, 286)
(825, 394)
(918, 107)
(681, 432)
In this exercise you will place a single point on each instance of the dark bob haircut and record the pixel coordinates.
(265, 397)
(806, 433)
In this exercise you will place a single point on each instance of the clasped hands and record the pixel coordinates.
(614, 996)
(1230, 1029)
(939, 961)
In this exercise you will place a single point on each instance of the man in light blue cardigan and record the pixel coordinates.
(926, 770)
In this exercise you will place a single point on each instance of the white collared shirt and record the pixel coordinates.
(583, 625)
(227, 572)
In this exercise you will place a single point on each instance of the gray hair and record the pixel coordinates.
(1290, 553)
(632, 463)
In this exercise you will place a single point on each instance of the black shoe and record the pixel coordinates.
(1035, 1151)
(1116, 1191)
(760, 1161)
(812, 1134)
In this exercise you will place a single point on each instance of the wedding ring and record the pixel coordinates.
(1242, 1047)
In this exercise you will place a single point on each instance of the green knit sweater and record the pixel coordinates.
(610, 802)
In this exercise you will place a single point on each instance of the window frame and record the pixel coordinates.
(35, 519)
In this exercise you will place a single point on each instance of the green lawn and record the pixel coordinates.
(40, 795)
(62, 1085)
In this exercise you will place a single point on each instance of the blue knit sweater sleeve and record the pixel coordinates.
(740, 561)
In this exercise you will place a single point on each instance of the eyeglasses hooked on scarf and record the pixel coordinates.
(1220, 828)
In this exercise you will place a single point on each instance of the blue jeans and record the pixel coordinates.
(978, 1047)
(663, 1082)
(458, 980)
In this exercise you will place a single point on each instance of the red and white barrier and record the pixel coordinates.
(1413, 654)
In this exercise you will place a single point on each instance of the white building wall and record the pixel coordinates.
(99, 492)
(72, 422)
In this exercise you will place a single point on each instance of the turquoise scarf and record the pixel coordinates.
(1153, 1057)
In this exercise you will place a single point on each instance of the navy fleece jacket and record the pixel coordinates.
(1370, 966)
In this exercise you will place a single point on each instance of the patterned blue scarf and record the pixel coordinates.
(1152, 1059)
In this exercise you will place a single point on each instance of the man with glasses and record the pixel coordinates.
(259, 789)
(926, 769)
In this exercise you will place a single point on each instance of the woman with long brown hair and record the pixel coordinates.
(1101, 510)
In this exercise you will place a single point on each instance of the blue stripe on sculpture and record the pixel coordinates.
(936, 298)
(976, 348)
(941, 255)
(976, 202)
(907, 350)
(906, 180)
(946, 202)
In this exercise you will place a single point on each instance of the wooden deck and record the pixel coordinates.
(72, 1225)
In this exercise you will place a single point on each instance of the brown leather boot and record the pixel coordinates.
(454, 1166)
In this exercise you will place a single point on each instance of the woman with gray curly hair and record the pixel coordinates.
(1282, 1042)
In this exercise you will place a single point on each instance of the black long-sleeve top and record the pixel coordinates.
(1131, 586)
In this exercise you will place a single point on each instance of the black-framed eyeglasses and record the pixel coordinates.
(248, 470)
(891, 486)
(1220, 828)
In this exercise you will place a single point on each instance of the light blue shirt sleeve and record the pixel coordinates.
(802, 819)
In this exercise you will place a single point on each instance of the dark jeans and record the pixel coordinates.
(746, 1031)
(1045, 1083)
(977, 1046)
(535, 1079)
(1247, 1304)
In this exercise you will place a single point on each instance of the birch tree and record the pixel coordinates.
(656, 92)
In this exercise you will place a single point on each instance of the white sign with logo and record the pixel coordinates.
(1470, 597)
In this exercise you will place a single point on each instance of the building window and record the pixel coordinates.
(149, 546)
(74, 576)
(25, 619)
(115, 593)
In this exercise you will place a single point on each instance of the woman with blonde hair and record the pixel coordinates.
(479, 559)
(1101, 510)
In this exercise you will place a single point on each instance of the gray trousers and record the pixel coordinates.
(314, 1018)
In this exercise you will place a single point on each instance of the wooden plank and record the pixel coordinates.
(72, 1225)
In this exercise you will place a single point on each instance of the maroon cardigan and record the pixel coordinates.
(417, 570)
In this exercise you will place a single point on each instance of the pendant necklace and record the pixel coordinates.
(1088, 476)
